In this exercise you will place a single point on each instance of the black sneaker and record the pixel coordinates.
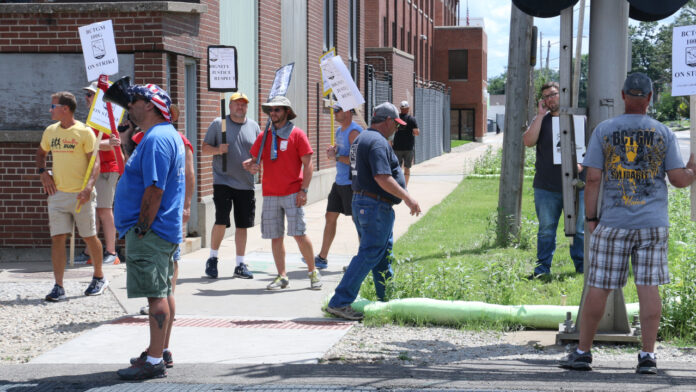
(576, 361)
(57, 294)
(242, 271)
(142, 371)
(646, 365)
(168, 359)
(346, 312)
(139, 360)
(211, 267)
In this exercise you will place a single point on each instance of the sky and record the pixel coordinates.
(496, 16)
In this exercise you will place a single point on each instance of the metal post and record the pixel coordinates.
(569, 169)
(608, 32)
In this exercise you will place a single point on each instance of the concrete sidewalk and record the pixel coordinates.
(285, 326)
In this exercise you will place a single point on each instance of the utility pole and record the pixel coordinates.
(541, 49)
(548, 49)
(578, 56)
(516, 89)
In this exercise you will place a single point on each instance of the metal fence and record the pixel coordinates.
(378, 89)
(432, 111)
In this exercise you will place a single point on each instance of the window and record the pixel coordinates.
(385, 27)
(353, 36)
(329, 25)
(458, 64)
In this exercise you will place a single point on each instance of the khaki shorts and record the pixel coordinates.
(106, 188)
(149, 265)
(61, 214)
(273, 213)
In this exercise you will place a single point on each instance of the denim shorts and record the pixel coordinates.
(612, 248)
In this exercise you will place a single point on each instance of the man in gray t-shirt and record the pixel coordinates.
(234, 186)
(631, 153)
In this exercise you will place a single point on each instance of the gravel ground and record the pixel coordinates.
(393, 344)
(30, 326)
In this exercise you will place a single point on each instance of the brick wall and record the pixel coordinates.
(466, 94)
(410, 15)
(156, 35)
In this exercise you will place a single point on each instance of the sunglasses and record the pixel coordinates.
(337, 110)
(276, 109)
(55, 105)
(90, 94)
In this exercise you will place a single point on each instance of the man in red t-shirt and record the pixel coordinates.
(287, 171)
(106, 187)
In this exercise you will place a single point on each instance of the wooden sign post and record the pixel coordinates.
(222, 77)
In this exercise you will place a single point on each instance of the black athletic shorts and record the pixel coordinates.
(244, 203)
(340, 198)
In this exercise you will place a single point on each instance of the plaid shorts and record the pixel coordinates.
(273, 213)
(610, 251)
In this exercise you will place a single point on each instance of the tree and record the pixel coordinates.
(496, 84)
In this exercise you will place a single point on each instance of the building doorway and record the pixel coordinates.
(462, 122)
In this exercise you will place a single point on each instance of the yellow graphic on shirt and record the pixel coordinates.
(633, 159)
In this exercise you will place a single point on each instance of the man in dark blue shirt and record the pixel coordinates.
(378, 184)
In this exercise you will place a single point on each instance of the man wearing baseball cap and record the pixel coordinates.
(233, 187)
(287, 172)
(405, 140)
(632, 153)
(148, 211)
(378, 184)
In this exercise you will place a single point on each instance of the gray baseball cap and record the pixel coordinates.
(637, 84)
(386, 110)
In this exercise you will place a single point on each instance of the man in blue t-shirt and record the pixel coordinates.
(631, 153)
(148, 211)
(378, 183)
(341, 193)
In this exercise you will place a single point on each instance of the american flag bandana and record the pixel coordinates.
(156, 95)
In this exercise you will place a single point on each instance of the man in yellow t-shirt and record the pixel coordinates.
(71, 144)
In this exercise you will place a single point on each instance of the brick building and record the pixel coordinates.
(406, 37)
(463, 50)
(161, 42)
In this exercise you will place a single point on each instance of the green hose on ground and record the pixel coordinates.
(458, 312)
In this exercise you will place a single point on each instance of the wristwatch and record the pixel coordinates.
(305, 190)
(588, 219)
(140, 229)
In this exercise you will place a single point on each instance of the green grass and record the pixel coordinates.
(457, 143)
(451, 254)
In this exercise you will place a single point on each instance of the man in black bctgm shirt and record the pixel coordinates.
(405, 140)
(548, 189)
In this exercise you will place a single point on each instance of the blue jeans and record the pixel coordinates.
(374, 221)
(549, 206)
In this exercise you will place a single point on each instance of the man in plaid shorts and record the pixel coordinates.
(631, 153)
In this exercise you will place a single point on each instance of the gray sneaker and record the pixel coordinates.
(346, 312)
(314, 280)
(576, 361)
(111, 259)
(97, 286)
(280, 282)
(82, 258)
